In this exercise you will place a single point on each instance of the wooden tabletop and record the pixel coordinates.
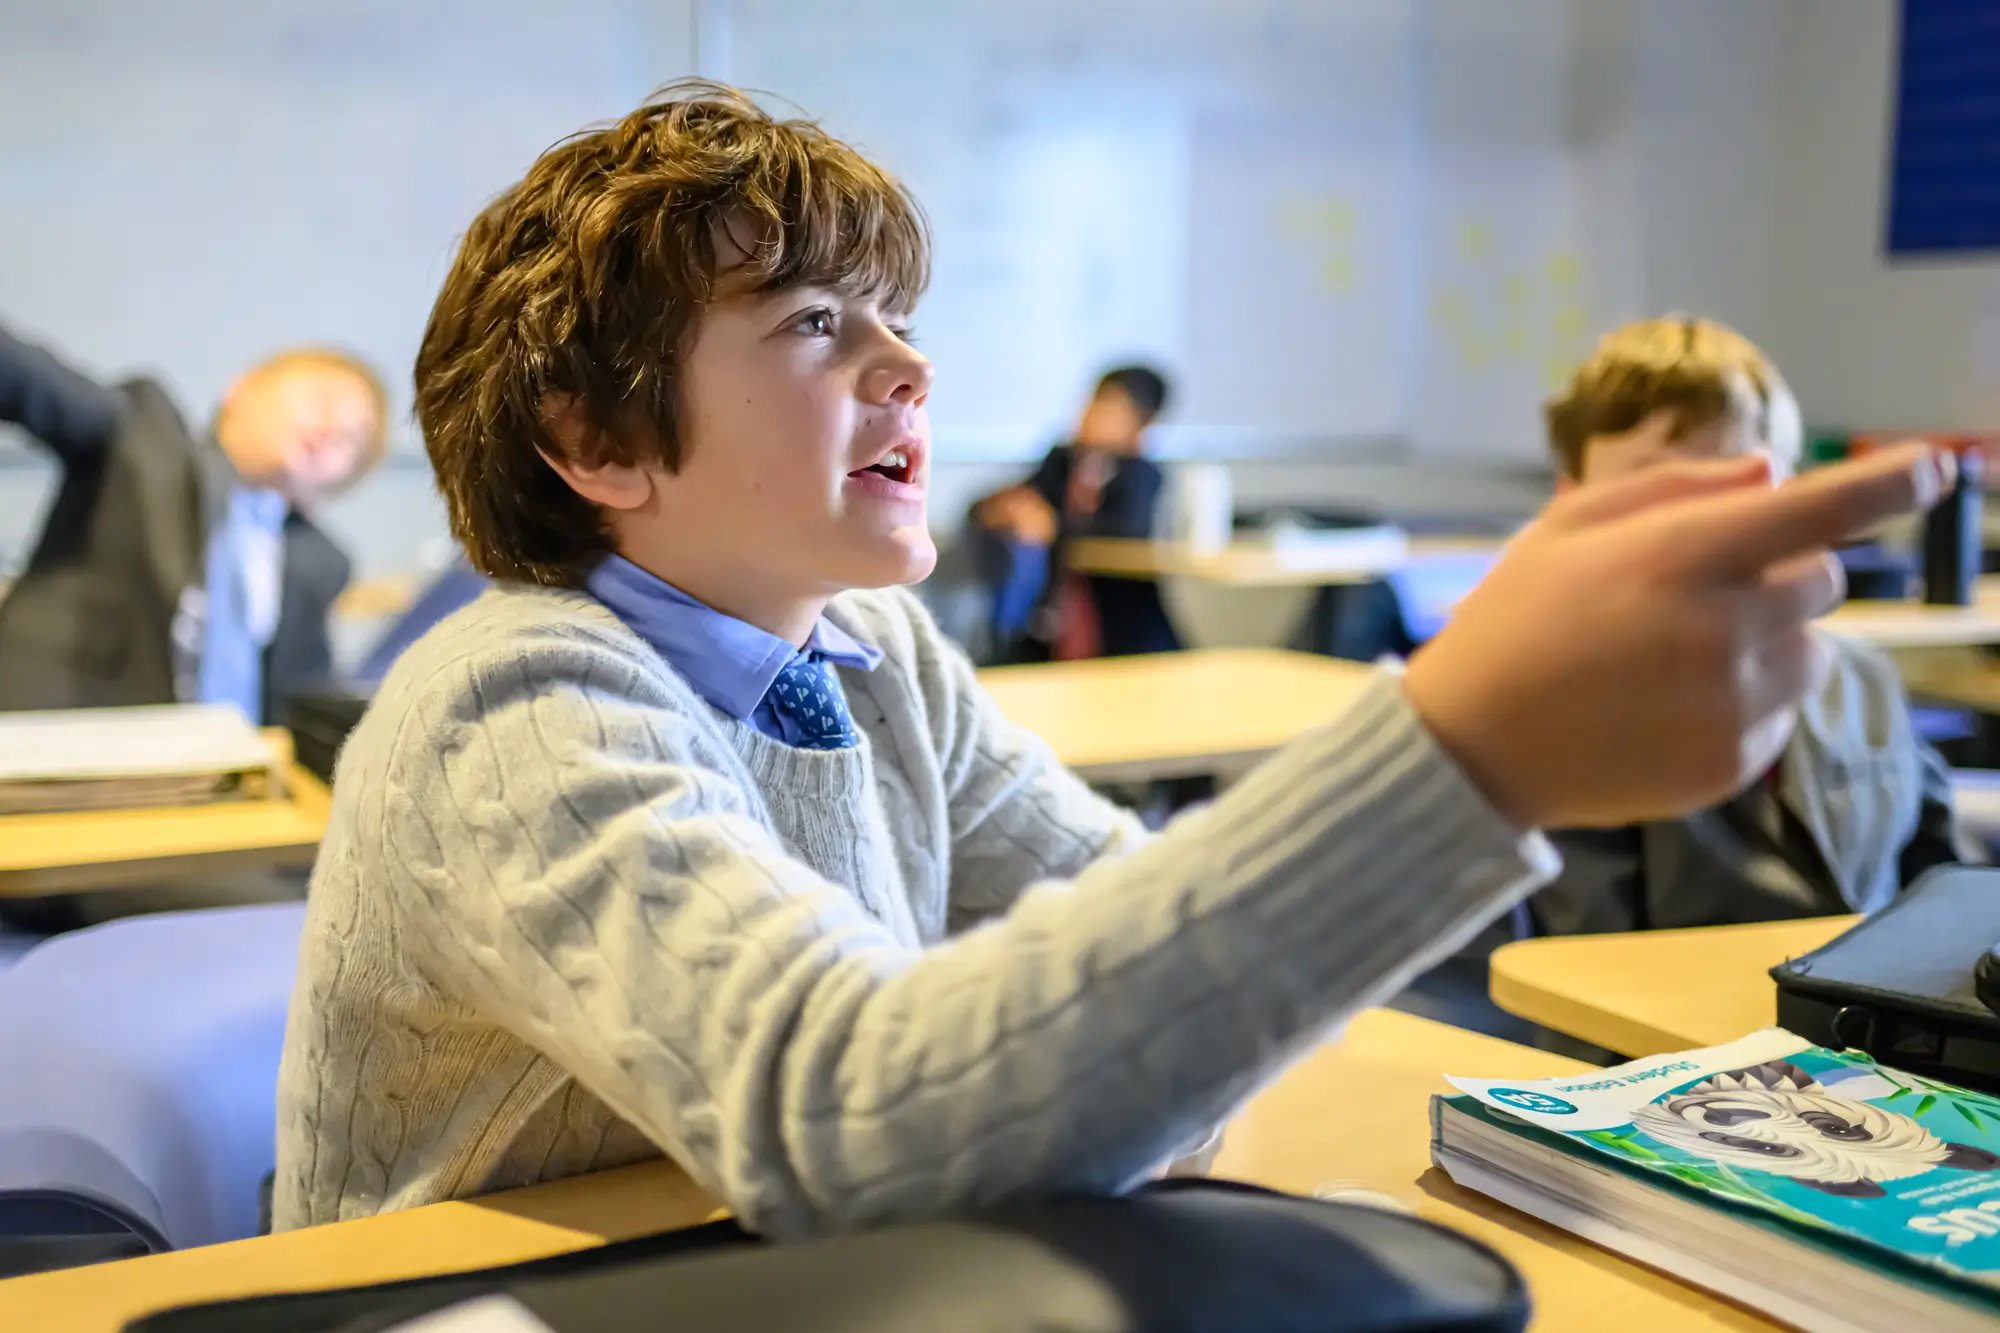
(1887, 624)
(109, 849)
(1655, 991)
(1355, 1115)
(1352, 1115)
(1967, 680)
(534, 1223)
(1920, 625)
(1251, 564)
(1114, 719)
(1207, 710)
(375, 599)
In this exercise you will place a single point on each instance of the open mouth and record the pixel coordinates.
(897, 465)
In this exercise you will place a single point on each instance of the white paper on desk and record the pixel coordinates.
(76, 744)
(487, 1314)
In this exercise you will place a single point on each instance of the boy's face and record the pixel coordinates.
(1771, 433)
(1111, 421)
(1609, 457)
(806, 445)
(299, 428)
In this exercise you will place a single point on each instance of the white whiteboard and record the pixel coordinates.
(1337, 222)
(185, 186)
(1231, 191)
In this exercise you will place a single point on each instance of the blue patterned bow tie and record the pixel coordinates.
(806, 695)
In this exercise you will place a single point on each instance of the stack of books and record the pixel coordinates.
(1816, 1186)
(120, 758)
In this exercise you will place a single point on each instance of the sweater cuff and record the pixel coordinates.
(1386, 811)
(1537, 854)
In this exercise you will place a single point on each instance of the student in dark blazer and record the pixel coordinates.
(1099, 484)
(178, 563)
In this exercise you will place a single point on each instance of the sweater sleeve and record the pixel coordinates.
(561, 860)
(1017, 815)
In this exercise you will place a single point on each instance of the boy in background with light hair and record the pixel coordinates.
(178, 563)
(1858, 804)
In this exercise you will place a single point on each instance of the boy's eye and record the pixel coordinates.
(818, 322)
(907, 334)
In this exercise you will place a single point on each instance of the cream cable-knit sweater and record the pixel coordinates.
(567, 916)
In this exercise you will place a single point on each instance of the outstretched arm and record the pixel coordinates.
(67, 411)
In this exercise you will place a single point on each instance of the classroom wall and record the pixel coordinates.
(1738, 160)
(1731, 158)
(1705, 135)
(207, 180)
(1867, 341)
(1565, 164)
(190, 184)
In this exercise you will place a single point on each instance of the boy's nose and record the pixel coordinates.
(904, 379)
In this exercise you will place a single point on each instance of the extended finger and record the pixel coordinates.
(1741, 533)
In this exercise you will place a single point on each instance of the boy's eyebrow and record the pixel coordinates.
(816, 288)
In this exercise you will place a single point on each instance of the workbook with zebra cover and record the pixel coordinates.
(1813, 1185)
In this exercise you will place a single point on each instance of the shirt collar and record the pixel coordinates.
(730, 662)
(262, 509)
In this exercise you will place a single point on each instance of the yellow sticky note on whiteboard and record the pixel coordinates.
(1336, 217)
(1569, 323)
(1475, 239)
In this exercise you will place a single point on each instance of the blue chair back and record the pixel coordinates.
(140, 1087)
(1430, 586)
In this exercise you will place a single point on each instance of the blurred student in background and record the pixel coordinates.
(1858, 804)
(179, 564)
(182, 564)
(1099, 484)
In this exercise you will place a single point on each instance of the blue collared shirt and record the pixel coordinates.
(730, 662)
(239, 603)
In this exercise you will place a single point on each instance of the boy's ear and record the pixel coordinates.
(613, 485)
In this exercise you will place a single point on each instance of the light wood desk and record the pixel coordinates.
(1918, 625)
(556, 1218)
(1167, 715)
(1355, 1115)
(374, 599)
(1252, 564)
(1967, 680)
(1887, 624)
(1654, 991)
(1350, 1115)
(109, 849)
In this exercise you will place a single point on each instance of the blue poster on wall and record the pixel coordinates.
(1944, 159)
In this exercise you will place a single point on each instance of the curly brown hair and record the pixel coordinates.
(583, 283)
(1701, 370)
